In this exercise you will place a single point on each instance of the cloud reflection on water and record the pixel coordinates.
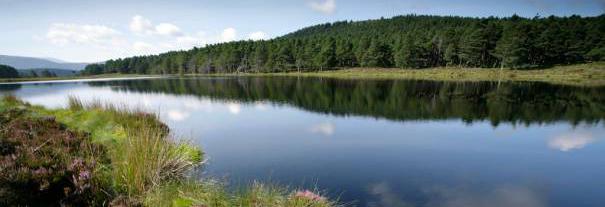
(571, 141)
(177, 115)
(234, 108)
(446, 196)
(326, 129)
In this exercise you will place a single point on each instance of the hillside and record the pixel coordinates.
(31, 62)
(404, 42)
(42, 71)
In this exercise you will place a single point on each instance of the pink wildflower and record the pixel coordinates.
(309, 195)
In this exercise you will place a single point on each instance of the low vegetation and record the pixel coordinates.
(43, 162)
(96, 154)
(589, 74)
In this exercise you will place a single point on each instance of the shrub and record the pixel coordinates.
(43, 163)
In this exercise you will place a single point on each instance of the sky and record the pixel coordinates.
(94, 31)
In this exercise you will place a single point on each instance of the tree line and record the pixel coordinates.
(8, 72)
(411, 41)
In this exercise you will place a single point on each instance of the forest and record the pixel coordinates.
(410, 41)
(8, 72)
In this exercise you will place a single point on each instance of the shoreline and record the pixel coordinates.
(113, 76)
(586, 74)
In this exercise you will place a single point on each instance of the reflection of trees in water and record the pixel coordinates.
(518, 102)
(9, 88)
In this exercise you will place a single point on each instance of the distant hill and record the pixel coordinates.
(38, 63)
(39, 71)
(410, 41)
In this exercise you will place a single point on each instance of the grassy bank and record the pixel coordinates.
(589, 74)
(105, 155)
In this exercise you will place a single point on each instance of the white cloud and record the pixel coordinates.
(188, 41)
(573, 141)
(143, 26)
(177, 115)
(228, 35)
(234, 108)
(324, 6)
(257, 35)
(61, 34)
(168, 29)
(326, 129)
(144, 47)
(140, 25)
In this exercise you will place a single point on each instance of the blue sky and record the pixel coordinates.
(89, 31)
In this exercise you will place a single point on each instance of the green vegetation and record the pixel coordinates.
(402, 42)
(97, 154)
(42, 162)
(8, 72)
(589, 74)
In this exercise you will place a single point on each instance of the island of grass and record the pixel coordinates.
(92, 154)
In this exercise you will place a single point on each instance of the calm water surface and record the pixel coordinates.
(380, 143)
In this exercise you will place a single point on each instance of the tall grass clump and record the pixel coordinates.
(213, 193)
(147, 159)
(146, 156)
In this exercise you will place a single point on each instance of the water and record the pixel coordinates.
(380, 143)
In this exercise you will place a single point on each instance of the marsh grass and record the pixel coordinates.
(214, 193)
(148, 166)
(144, 154)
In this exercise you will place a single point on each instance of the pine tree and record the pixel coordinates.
(326, 58)
(512, 48)
(472, 47)
(378, 55)
(410, 55)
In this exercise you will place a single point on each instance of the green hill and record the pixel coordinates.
(404, 42)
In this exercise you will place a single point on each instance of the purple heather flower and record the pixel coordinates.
(309, 195)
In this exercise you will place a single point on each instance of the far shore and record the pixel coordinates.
(113, 76)
(587, 74)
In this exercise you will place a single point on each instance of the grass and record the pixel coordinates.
(213, 193)
(148, 166)
(588, 74)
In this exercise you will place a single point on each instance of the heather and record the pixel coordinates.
(44, 162)
(95, 154)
